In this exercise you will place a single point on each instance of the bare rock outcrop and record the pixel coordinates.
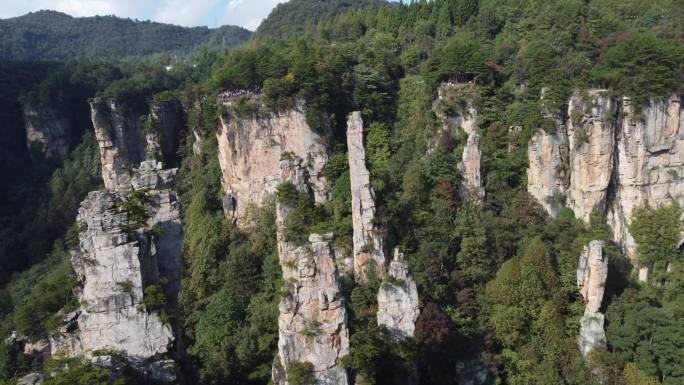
(164, 125)
(547, 153)
(47, 131)
(398, 306)
(591, 278)
(619, 157)
(367, 237)
(455, 107)
(591, 137)
(650, 164)
(128, 133)
(312, 325)
(250, 151)
(130, 240)
(31, 379)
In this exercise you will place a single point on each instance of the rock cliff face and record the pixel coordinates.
(250, 151)
(398, 306)
(312, 326)
(455, 116)
(591, 140)
(130, 241)
(591, 278)
(165, 124)
(120, 135)
(545, 175)
(48, 131)
(128, 134)
(616, 160)
(650, 163)
(367, 238)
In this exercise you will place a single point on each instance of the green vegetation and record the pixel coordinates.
(230, 290)
(293, 17)
(57, 36)
(300, 373)
(32, 299)
(642, 331)
(82, 372)
(134, 205)
(497, 280)
(657, 233)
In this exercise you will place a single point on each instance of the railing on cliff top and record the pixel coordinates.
(456, 83)
(228, 95)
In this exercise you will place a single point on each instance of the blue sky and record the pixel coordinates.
(246, 13)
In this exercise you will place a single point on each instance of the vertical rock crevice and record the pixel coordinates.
(250, 151)
(650, 150)
(545, 179)
(455, 106)
(130, 240)
(618, 160)
(591, 139)
(312, 325)
(48, 131)
(129, 134)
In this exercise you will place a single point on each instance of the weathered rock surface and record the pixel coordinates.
(592, 336)
(165, 123)
(312, 325)
(367, 237)
(465, 118)
(473, 372)
(471, 189)
(616, 161)
(592, 272)
(250, 151)
(66, 341)
(31, 379)
(398, 306)
(39, 350)
(48, 131)
(591, 278)
(120, 135)
(591, 129)
(545, 175)
(650, 164)
(118, 258)
(128, 134)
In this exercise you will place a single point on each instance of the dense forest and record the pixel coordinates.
(496, 280)
(294, 17)
(50, 35)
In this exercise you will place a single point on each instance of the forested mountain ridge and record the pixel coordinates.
(50, 35)
(293, 17)
(444, 192)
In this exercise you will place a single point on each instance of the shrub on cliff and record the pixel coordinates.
(657, 233)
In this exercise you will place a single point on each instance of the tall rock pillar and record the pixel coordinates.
(368, 240)
(591, 278)
(130, 249)
(312, 325)
(398, 306)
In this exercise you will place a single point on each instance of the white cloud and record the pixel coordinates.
(124, 8)
(184, 12)
(246, 13)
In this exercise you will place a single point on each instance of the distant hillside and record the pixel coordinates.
(292, 17)
(50, 35)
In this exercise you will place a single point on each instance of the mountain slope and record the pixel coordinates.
(293, 16)
(50, 35)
